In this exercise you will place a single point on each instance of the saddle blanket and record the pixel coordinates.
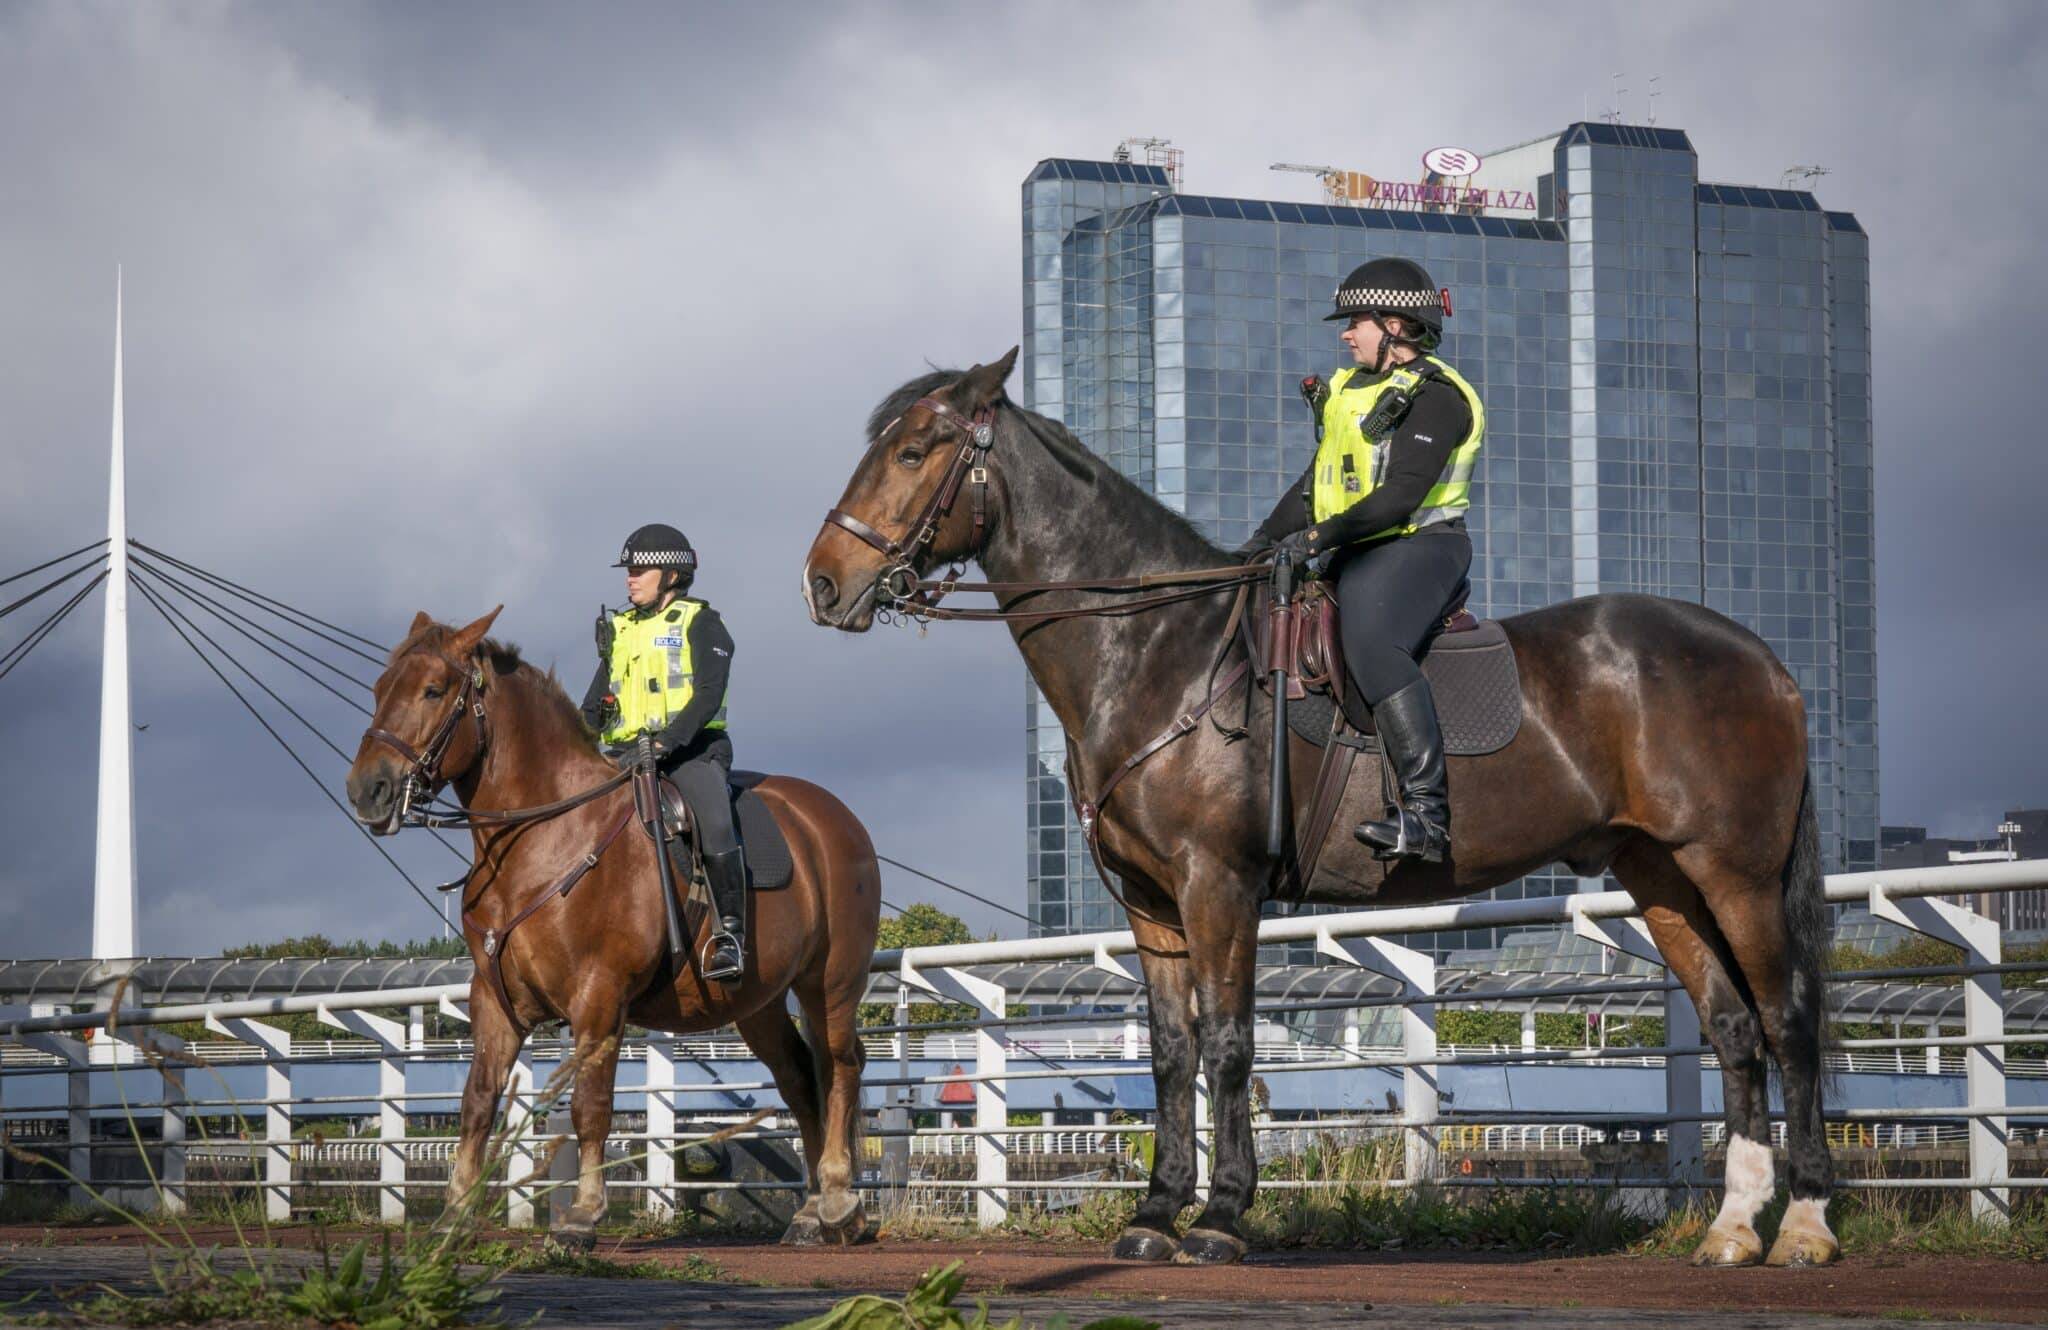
(1473, 678)
(770, 865)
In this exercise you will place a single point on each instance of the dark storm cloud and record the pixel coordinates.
(427, 305)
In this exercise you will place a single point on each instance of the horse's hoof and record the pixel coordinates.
(804, 1231)
(1145, 1244)
(845, 1224)
(575, 1237)
(1803, 1247)
(1206, 1246)
(1730, 1246)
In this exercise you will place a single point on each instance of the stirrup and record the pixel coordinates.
(726, 945)
(1405, 835)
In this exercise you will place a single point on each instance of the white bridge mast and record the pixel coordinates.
(113, 894)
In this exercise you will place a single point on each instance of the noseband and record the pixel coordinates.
(423, 776)
(970, 464)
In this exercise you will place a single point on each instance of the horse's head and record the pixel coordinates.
(417, 737)
(908, 505)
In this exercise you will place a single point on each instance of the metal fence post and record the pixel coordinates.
(277, 1110)
(77, 1057)
(163, 1053)
(520, 1128)
(991, 1088)
(661, 1126)
(1684, 1150)
(1420, 1097)
(393, 1040)
(1983, 1019)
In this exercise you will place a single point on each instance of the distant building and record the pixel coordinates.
(2022, 834)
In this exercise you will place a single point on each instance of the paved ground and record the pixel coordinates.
(771, 1286)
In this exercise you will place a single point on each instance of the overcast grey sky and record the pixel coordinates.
(429, 304)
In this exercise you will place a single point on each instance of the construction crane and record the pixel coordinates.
(1158, 152)
(1339, 186)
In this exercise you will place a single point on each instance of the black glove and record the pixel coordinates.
(1296, 549)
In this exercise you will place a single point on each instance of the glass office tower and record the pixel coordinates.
(1677, 384)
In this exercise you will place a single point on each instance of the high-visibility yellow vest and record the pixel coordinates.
(1349, 465)
(651, 672)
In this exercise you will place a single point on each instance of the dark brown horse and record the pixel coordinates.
(1660, 741)
(504, 736)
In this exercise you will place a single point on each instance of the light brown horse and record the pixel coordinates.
(503, 735)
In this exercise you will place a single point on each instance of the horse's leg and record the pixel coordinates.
(497, 1044)
(832, 1014)
(1754, 912)
(1170, 1010)
(780, 1045)
(1696, 951)
(1223, 943)
(597, 1026)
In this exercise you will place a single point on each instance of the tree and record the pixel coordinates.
(921, 925)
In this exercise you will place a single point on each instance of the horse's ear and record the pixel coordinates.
(982, 386)
(419, 621)
(466, 640)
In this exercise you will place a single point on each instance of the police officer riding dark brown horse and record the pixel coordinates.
(663, 662)
(1384, 499)
(1658, 740)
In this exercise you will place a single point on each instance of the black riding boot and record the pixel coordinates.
(727, 875)
(1414, 744)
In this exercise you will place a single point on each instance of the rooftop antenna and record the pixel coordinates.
(1655, 79)
(1613, 117)
(1804, 174)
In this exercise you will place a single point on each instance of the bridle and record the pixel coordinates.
(970, 464)
(423, 776)
(418, 804)
(917, 599)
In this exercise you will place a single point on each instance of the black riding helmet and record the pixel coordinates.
(658, 545)
(1394, 286)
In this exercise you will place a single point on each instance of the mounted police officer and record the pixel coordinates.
(662, 667)
(1385, 497)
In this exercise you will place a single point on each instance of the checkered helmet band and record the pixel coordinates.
(629, 557)
(1378, 297)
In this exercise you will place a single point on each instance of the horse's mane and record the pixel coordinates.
(507, 663)
(1166, 527)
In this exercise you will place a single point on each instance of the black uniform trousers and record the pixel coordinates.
(700, 772)
(1391, 596)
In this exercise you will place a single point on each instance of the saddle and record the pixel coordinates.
(1469, 663)
(763, 847)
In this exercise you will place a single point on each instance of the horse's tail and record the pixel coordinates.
(1806, 923)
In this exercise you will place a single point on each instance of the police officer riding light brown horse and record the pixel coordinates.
(565, 911)
(1658, 740)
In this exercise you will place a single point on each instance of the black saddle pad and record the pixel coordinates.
(770, 865)
(1473, 678)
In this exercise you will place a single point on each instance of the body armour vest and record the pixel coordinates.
(651, 673)
(1350, 465)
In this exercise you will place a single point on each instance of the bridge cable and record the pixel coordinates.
(289, 751)
(19, 652)
(230, 618)
(85, 567)
(896, 863)
(267, 632)
(54, 562)
(266, 603)
(291, 710)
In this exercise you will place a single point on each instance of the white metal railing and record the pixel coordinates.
(37, 1046)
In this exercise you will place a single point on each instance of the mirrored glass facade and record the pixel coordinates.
(1677, 384)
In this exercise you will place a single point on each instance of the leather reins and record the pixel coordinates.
(420, 807)
(918, 599)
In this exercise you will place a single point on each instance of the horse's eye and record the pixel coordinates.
(435, 690)
(911, 456)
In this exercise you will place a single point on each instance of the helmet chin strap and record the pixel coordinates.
(1389, 339)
